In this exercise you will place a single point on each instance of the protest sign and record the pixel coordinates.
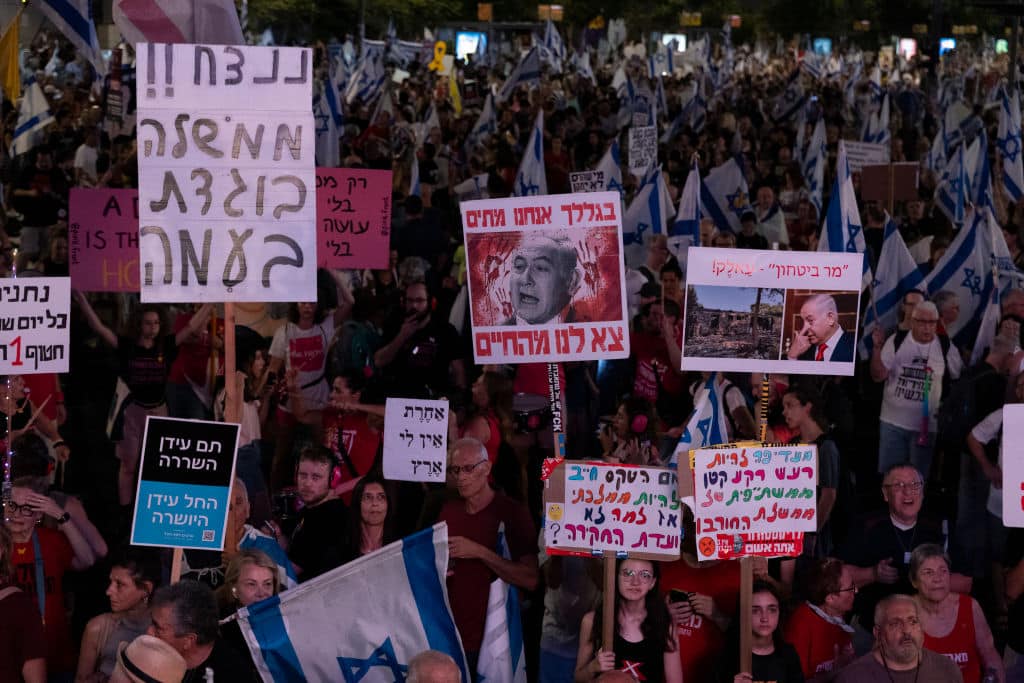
(104, 240)
(861, 154)
(353, 217)
(34, 332)
(416, 440)
(587, 181)
(895, 182)
(1013, 466)
(643, 149)
(771, 311)
(546, 278)
(753, 499)
(593, 507)
(184, 483)
(225, 139)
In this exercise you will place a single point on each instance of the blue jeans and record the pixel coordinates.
(898, 446)
(556, 669)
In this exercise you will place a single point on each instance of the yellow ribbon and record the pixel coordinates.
(440, 48)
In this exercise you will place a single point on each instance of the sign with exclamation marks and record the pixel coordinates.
(168, 70)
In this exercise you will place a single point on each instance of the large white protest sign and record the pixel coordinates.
(643, 149)
(546, 278)
(771, 311)
(1013, 465)
(34, 331)
(416, 439)
(861, 154)
(227, 183)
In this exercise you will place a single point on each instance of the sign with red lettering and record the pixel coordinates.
(1012, 492)
(353, 217)
(34, 331)
(546, 278)
(754, 500)
(103, 240)
(771, 311)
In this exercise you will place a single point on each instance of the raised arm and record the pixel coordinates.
(104, 332)
(198, 321)
(345, 299)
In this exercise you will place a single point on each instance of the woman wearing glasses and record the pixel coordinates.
(644, 645)
(953, 623)
(817, 629)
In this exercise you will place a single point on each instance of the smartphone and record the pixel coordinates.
(676, 595)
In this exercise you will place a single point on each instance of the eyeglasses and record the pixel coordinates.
(921, 321)
(456, 470)
(23, 510)
(644, 574)
(848, 589)
(909, 486)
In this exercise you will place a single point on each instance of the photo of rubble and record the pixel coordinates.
(733, 322)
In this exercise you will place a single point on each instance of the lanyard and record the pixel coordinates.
(40, 577)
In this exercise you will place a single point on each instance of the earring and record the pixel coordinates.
(234, 592)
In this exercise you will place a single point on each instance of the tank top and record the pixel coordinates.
(122, 630)
(644, 661)
(959, 644)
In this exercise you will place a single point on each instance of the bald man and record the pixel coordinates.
(822, 337)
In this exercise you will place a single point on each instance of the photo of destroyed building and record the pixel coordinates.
(733, 322)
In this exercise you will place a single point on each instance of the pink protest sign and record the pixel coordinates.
(104, 240)
(353, 216)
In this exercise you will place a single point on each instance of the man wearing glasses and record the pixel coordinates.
(818, 629)
(914, 367)
(475, 520)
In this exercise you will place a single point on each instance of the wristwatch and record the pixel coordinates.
(64, 519)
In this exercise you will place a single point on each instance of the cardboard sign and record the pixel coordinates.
(643, 149)
(876, 181)
(546, 278)
(353, 216)
(416, 440)
(587, 181)
(34, 331)
(184, 483)
(226, 173)
(104, 240)
(1013, 465)
(771, 311)
(754, 500)
(861, 154)
(592, 507)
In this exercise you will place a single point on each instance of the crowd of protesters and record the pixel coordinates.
(911, 574)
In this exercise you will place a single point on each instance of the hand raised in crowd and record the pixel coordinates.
(603, 661)
(878, 338)
(48, 506)
(885, 572)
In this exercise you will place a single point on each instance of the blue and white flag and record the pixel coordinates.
(842, 229)
(1008, 142)
(896, 274)
(531, 178)
(367, 80)
(253, 539)
(876, 127)
(502, 653)
(526, 72)
(393, 604)
(987, 327)
(611, 166)
(661, 61)
(786, 105)
(646, 215)
(74, 19)
(33, 117)
(485, 125)
(936, 159)
(696, 110)
(581, 61)
(687, 222)
(813, 165)
(554, 48)
(708, 424)
(724, 196)
(327, 114)
(981, 172)
(951, 193)
(373, 48)
(673, 129)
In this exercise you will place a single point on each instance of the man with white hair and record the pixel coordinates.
(821, 338)
(432, 666)
(915, 367)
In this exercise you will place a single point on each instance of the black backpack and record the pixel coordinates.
(958, 412)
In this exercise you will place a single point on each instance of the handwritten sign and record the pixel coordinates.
(643, 148)
(104, 240)
(1013, 465)
(184, 484)
(353, 216)
(416, 440)
(751, 499)
(226, 169)
(546, 278)
(771, 311)
(587, 181)
(861, 154)
(34, 332)
(595, 507)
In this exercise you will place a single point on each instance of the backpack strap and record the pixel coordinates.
(898, 340)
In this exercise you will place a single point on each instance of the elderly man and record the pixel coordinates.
(475, 520)
(433, 667)
(821, 338)
(899, 655)
(544, 279)
(914, 365)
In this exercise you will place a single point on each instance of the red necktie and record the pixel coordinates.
(821, 352)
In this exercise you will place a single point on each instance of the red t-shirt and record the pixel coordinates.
(194, 357)
(815, 640)
(351, 431)
(653, 365)
(700, 640)
(960, 644)
(470, 580)
(21, 634)
(57, 557)
(41, 386)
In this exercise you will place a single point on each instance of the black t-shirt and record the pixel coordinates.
(226, 664)
(145, 370)
(424, 359)
(781, 666)
(318, 542)
(755, 241)
(1014, 556)
(645, 661)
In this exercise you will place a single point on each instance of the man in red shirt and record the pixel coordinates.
(817, 630)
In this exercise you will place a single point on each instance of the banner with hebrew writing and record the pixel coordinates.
(754, 310)
(227, 204)
(546, 278)
(34, 331)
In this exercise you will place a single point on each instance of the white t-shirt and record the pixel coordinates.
(902, 402)
(85, 159)
(306, 350)
(984, 432)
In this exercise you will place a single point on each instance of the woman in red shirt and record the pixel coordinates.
(22, 645)
(953, 623)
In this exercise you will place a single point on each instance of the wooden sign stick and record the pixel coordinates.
(176, 565)
(608, 604)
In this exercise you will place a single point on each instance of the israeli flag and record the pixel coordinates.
(953, 188)
(896, 274)
(813, 165)
(936, 159)
(554, 48)
(647, 214)
(252, 539)
(611, 166)
(724, 196)
(981, 172)
(876, 127)
(708, 424)
(1008, 142)
(786, 105)
(673, 129)
(696, 110)
(373, 48)
(502, 654)
(485, 125)
(688, 217)
(581, 60)
(842, 230)
(327, 114)
(368, 79)
(531, 178)
(526, 72)
(393, 605)
(850, 87)
(33, 117)
(987, 327)
(661, 61)
(74, 19)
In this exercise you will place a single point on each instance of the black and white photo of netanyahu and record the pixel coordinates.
(821, 338)
(543, 280)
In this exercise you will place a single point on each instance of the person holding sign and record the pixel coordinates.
(773, 659)
(644, 646)
(821, 338)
